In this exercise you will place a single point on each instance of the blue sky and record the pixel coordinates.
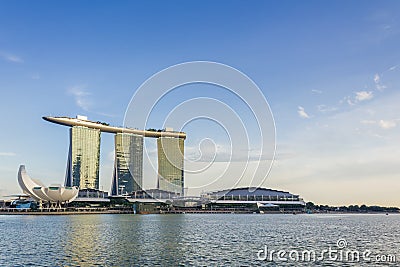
(329, 70)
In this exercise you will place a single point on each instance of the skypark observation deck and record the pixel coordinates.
(103, 127)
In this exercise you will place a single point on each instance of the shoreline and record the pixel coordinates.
(63, 212)
(95, 212)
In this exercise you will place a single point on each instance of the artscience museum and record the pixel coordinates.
(54, 195)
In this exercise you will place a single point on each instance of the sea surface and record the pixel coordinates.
(200, 240)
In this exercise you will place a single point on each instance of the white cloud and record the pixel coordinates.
(349, 101)
(369, 155)
(11, 57)
(380, 87)
(387, 124)
(7, 154)
(316, 91)
(377, 78)
(81, 96)
(106, 114)
(302, 113)
(15, 59)
(325, 108)
(392, 68)
(78, 90)
(364, 95)
(384, 124)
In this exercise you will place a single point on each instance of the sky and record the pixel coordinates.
(330, 71)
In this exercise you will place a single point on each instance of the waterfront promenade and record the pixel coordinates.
(63, 211)
(86, 211)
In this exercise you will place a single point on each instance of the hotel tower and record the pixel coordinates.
(170, 164)
(83, 158)
(128, 164)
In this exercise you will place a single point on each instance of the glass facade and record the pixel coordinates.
(128, 166)
(170, 164)
(84, 158)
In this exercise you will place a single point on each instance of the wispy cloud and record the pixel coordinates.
(324, 108)
(81, 96)
(316, 91)
(352, 101)
(7, 154)
(377, 78)
(11, 58)
(384, 124)
(387, 124)
(302, 113)
(364, 95)
(380, 87)
(378, 84)
(348, 100)
(106, 114)
(35, 76)
(84, 100)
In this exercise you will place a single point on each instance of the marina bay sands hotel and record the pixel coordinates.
(83, 163)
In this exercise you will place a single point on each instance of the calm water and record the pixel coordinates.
(191, 239)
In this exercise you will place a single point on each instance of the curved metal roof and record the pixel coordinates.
(252, 191)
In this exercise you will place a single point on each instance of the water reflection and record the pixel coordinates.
(85, 239)
(124, 240)
(187, 239)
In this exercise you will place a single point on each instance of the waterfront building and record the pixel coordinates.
(241, 200)
(170, 164)
(128, 165)
(256, 199)
(83, 158)
(54, 193)
(85, 148)
(91, 198)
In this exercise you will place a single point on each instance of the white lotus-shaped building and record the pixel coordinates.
(38, 191)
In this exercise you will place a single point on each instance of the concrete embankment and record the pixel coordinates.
(66, 212)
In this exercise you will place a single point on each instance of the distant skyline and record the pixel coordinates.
(329, 70)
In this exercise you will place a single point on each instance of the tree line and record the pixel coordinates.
(351, 208)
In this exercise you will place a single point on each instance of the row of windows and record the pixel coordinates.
(170, 164)
(85, 156)
(129, 162)
(254, 198)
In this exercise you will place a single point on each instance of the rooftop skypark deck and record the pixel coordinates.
(105, 127)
